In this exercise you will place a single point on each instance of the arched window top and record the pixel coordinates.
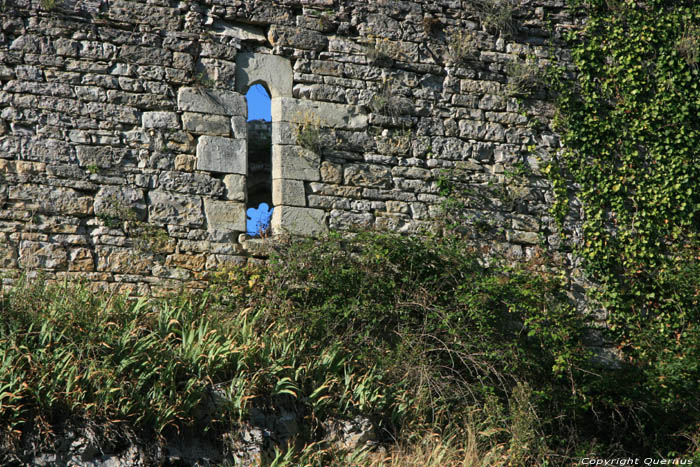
(259, 104)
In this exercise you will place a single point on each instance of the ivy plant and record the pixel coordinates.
(630, 122)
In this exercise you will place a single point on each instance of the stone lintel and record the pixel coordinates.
(270, 70)
(212, 101)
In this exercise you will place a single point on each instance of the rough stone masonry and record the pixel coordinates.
(124, 142)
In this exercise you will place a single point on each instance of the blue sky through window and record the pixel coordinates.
(258, 103)
(258, 217)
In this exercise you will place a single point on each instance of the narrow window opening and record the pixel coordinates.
(259, 182)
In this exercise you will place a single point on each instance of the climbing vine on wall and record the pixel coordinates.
(631, 126)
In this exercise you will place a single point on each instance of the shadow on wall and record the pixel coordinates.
(259, 182)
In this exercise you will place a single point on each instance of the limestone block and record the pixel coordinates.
(222, 72)
(212, 101)
(299, 221)
(184, 261)
(349, 117)
(185, 162)
(35, 255)
(274, 71)
(51, 199)
(224, 155)
(288, 192)
(164, 120)
(239, 125)
(100, 156)
(235, 187)
(518, 236)
(122, 260)
(331, 173)
(369, 175)
(122, 202)
(206, 124)
(299, 38)
(225, 219)
(284, 133)
(171, 208)
(190, 183)
(81, 259)
(8, 255)
(295, 162)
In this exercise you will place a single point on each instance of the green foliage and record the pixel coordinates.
(631, 126)
(48, 5)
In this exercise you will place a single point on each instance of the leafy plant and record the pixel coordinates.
(631, 129)
(202, 80)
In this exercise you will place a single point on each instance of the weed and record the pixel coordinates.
(387, 102)
(396, 143)
(523, 77)
(378, 52)
(496, 16)
(308, 133)
(688, 45)
(430, 24)
(202, 80)
(48, 5)
(461, 46)
(93, 169)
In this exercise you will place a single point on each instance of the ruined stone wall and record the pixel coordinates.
(123, 136)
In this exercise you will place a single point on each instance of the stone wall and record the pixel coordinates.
(123, 136)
